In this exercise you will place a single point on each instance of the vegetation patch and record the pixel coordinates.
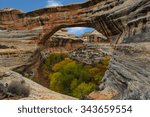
(50, 62)
(72, 78)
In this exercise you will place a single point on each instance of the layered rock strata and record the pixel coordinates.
(17, 46)
(128, 75)
(13, 57)
(16, 52)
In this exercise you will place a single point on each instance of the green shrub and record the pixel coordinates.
(97, 78)
(74, 84)
(50, 61)
(83, 89)
(59, 65)
(56, 82)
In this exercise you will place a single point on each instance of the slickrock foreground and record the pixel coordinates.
(125, 22)
(37, 92)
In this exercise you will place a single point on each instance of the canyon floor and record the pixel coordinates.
(12, 57)
(38, 92)
(22, 51)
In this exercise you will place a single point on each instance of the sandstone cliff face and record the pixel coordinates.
(125, 22)
(128, 75)
(16, 52)
(11, 58)
(17, 46)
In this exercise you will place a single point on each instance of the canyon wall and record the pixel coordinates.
(14, 58)
(125, 22)
(18, 46)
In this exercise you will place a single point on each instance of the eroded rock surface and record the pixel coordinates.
(18, 46)
(91, 53)
(37, 92)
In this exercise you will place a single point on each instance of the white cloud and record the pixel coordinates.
(77, 30)
(53, 3)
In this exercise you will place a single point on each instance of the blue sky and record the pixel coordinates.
(30, 5)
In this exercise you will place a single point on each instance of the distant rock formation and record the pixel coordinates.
(95, 37)
(63, 41)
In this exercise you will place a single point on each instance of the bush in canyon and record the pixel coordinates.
(83, 89)
(73, 78)
(76, 79)
(64, 73)
(50, 61)
(19, 88)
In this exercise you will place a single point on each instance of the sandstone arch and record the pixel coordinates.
(124, 21)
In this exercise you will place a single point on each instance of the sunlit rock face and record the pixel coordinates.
(17, 46)
(125, 22)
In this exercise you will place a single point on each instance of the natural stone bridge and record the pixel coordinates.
(122, 21)
(110, 17)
